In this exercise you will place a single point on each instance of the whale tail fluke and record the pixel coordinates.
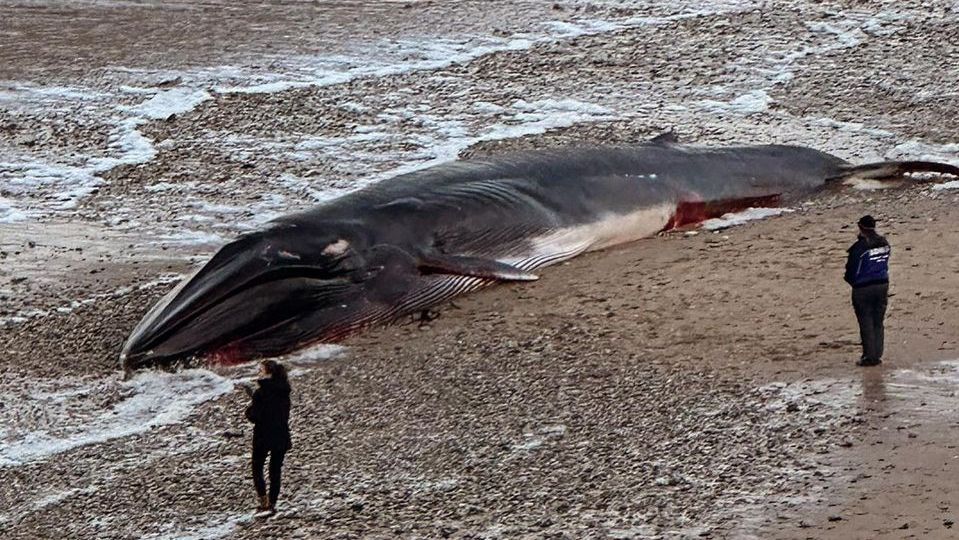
(893, 170)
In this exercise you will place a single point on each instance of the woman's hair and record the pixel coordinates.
(277, 371)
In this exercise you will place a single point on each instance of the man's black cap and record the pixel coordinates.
(867, 222)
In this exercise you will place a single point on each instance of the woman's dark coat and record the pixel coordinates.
(270, 414)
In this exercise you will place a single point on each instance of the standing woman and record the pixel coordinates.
(270, 414)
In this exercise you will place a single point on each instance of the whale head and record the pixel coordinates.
(267, 293)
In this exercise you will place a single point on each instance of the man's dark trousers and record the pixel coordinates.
(869, 302)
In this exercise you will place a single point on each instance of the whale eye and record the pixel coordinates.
(336, 248)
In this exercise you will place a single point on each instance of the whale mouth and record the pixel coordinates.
(259, 318)
(251, 300)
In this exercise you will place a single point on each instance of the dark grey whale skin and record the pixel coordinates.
(419, 239)
(574, 186)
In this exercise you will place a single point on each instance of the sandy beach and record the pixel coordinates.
(697, 384)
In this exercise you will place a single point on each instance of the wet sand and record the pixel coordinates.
(682, 386)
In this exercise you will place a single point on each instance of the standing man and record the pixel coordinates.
(867, 270)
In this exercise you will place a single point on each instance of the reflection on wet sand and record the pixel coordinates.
(873, 390)
(922, 391)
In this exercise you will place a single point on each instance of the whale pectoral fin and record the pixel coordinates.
(409, 203)
(436, 263)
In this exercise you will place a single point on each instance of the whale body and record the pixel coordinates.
(422, 238)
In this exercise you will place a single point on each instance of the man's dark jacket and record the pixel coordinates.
(270, 414)
(857, 274)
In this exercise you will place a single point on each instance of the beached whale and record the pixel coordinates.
(419, 239)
